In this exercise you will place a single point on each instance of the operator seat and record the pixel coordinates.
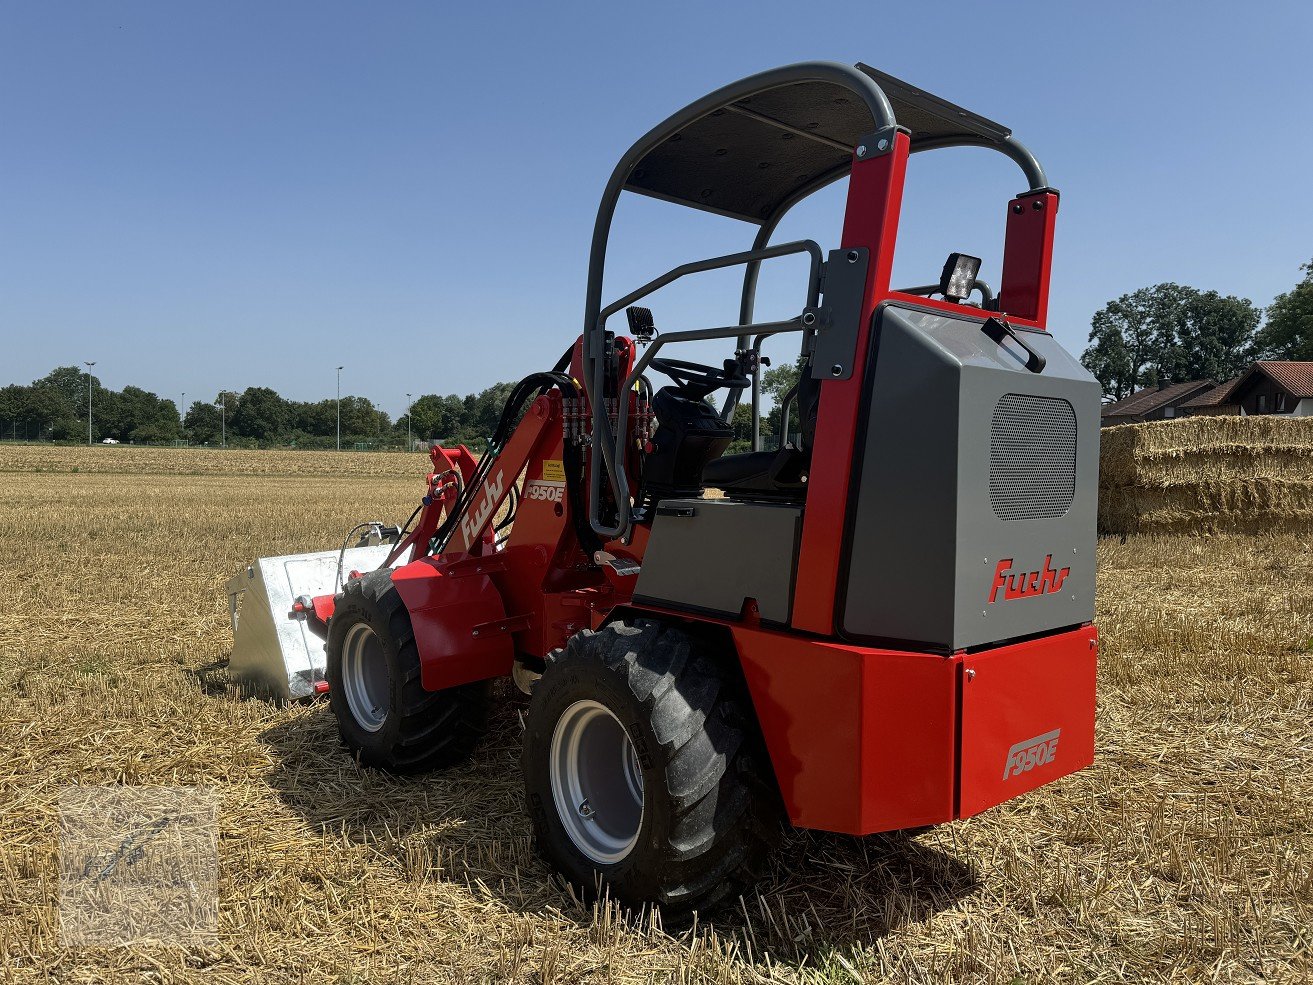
(777, 473)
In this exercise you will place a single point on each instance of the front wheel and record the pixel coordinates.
(384, 715)
(642, 771)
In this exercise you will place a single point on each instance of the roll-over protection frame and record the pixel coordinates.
(653, 168)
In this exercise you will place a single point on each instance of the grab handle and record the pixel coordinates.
(998, 329)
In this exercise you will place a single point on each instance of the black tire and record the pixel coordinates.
(709, 815)
(420, 730)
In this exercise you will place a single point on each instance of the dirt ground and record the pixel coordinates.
(1183, 854)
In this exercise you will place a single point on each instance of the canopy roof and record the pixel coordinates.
(751, 157)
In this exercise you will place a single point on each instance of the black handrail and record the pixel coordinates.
(847, 76)
(613, 447)
(808, 246)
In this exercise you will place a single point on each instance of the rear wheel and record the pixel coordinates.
(384, 715)
(642, 770)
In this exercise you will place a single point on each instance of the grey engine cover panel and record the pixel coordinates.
(713, 554)
(930, 530)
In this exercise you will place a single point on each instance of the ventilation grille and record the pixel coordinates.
(1032, 457)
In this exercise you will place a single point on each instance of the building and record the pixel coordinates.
(1272, 387)
(1214, 402)
(1155, 403)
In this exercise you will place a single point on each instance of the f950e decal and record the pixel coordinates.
(1025, 756)
(551, 492)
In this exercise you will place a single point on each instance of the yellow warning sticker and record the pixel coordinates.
(553, 470)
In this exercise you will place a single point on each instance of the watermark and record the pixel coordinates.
(137, 864)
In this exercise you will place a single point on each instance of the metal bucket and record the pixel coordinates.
(276, 654)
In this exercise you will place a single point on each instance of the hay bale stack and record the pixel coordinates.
(1207, 475)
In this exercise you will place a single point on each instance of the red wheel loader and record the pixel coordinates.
(883, 622)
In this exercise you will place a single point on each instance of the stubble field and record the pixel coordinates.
(1183, 854)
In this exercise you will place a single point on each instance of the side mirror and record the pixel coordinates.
(958, 279)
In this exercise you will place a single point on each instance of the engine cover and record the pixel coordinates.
(976, 491)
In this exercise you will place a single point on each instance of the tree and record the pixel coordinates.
(140, 416)
(13, 405)
(68, 385)
(1125, 338)
(741, 421)
(361, 420)
(203, 424)
(317, 418)
(55, 398)
(37, 412)
(776, 384)
(261, 414)
(434, 417)
(135, 415)
(483, 411)
(1288, 333)
(1169, 333)
(1212, 337)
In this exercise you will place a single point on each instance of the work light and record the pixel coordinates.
(959, 277)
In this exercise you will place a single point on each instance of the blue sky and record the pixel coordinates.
(206, 196)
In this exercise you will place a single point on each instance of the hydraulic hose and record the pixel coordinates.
(531, 387)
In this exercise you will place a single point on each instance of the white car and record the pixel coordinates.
(109, 441)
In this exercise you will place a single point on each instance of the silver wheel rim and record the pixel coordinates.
(597, 784)
(365, 677)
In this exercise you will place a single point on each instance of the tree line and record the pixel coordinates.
(54, 408)
(261, 416)
(1163, 334)
(1170, 333)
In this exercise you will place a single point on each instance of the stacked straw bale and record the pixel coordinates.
(1207, 475)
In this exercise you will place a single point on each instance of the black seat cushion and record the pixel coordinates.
(778, 474)
(773, 474)
(749, 470)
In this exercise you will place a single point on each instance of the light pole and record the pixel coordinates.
(89, 365)
(339, 408)
(223, 419)
(182, 416)
(408, 442)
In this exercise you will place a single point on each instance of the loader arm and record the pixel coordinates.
(470, 524)
(452, 470)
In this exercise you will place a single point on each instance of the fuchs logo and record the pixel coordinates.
(1025, 756)
(1023, 584)
(472, 522)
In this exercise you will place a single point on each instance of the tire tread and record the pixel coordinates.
(724, 819)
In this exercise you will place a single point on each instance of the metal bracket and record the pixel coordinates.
(845, 289)
(501, 627)
(468, 566)
(877, 144)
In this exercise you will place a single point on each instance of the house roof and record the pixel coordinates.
(1152, 398)
(1295, 378)
(1215, 397)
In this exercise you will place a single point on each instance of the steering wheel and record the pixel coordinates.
(698, 380)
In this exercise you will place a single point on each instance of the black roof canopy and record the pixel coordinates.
(750, 157)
